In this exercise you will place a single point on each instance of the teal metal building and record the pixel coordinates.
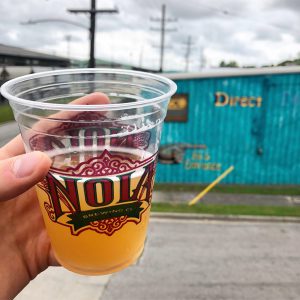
(248, 119)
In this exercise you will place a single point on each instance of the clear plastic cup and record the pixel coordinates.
(96, 198)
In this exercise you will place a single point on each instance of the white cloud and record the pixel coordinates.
(250, 32)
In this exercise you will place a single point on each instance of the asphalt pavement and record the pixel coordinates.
(192, 259)
(187, 259)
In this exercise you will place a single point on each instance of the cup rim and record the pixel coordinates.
(76, 107)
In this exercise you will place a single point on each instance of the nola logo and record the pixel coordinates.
(101, 194)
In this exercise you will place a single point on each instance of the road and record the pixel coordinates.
(7, 132)
(189, 259)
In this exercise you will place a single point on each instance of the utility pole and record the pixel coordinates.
(163, 30)
(93, 12)
(189, 45)
(188, 52)
(141, 56)
(202, 59)
(162, 36)
(68, 38)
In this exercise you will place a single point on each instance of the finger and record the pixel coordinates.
(16, 146)
(13, 148)
(57, 119)
(20, 173)
(92, 99)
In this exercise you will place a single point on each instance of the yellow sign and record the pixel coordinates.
(178, 108)
(178, 103)
(223, 99)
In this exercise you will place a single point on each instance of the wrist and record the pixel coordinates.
(14, 278)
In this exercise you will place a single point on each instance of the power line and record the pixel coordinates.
(31, 22)
(244, 18)
(216, 9)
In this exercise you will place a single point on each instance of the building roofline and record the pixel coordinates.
(12, 51)
(235, 72)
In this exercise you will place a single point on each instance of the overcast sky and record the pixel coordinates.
(256, 32)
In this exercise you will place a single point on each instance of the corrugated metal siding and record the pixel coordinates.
(262, 143)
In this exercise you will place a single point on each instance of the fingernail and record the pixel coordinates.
(25, 165)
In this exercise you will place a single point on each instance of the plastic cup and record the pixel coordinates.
(96, 198)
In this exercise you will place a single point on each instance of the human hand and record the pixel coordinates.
(25, 248)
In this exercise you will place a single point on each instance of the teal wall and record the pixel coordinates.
(262, 143)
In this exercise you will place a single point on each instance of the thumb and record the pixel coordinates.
(20, 173)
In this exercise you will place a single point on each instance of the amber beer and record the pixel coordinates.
(96, 208)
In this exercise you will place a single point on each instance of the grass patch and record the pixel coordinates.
(216, 209)
(232, 189)
(6, 113)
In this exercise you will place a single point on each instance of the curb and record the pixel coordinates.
(233, 218)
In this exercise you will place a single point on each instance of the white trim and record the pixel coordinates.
(234, 72)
